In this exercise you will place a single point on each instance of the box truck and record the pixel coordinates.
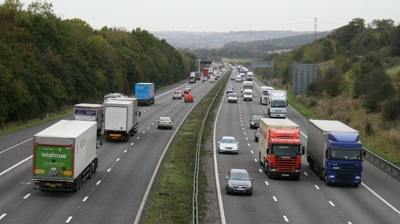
(279, 148)
(64, 155)
(334, 152)
(136, 112)
(119, 119)
(89, 112)
(145, 93)
(264, 94)
(277, 102)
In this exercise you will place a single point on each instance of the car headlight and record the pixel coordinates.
(252, 123)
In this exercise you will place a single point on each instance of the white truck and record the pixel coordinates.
(89, 112)
(277, 102)
(64, 155)
(120, 119)
(249, 76)
(247, 85)
(264, 94)
(247, 95)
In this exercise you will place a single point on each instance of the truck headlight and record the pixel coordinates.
(358, 178)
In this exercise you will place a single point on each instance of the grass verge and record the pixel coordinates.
(171, 201)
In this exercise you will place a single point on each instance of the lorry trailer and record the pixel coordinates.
(64, 155)
(119, 119)
(334, 152)
(89, 112)
(145, 93)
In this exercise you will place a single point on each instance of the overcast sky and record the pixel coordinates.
(224, 15)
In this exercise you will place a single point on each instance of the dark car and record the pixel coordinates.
(256, 134)
(255, 121)
(230, 89)
(239, 181)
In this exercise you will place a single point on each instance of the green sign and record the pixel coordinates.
(53, 161)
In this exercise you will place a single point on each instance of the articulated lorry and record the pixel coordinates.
(277, 102)
(264, 94)
(89, 112)
(145, 93)
(279, 148)
(334, 152)
(120, 118)
(64, 155)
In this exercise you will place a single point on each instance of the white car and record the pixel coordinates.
(178, 94)
(247, 94)
(165, 122)
(232, 97)
(228, 144)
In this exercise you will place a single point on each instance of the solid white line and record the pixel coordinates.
(5, 171)
(383, 200)
(2, 216)
(274, 198)
(85, 198)
(305, 136)
(26, 196)
(15, 145)
(286, 219)
(332, 203)
(69, 219)
(266, 183)
(316, 187)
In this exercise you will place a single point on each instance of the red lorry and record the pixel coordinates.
(205, 73)
(279, 148)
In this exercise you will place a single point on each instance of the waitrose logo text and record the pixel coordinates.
(53, 155)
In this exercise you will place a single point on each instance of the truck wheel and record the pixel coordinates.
(96, 163)
(90, 171)
(77, 184)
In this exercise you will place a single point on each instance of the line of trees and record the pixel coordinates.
(47, 63)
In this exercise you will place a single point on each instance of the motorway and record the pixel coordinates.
(306, 201)
(116, 191)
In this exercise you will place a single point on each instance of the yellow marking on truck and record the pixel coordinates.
(67, 173)
(115, 135)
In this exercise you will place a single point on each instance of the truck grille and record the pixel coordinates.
(344, 176)
(347, 168)
(285, 165)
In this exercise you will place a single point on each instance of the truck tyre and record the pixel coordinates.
(259, 157)
(96, 163)
(90, 173)
(77, 184)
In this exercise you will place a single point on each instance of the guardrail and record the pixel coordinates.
(382, 164)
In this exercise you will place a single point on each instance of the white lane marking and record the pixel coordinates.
(109, 170)
(2, 216)
(152, 123)
(349, 223)
(316, 186)
(266, 183)
(117, 159)
(69, 219)
(85, 198)
(305, 136)
(274, 198)
(98, 182)
(26, 196)
(144, 132)
(5, 171)
(251, 151)
(383, 200)
(286, 219)
(127, 150)
(305, 173)
(248, 144)
(148, 128)
(5, 150)
(131, 144)
(260, 170)
(137, 137)
(332, 203)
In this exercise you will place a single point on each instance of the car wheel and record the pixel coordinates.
(251, 193)
(158, 127)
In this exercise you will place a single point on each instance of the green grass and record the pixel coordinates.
(171, 201)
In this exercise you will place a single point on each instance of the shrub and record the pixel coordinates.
(368, 128)
(391, 109)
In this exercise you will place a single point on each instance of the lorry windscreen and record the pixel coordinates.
(278, 103)
(286, 150)
(346, 154)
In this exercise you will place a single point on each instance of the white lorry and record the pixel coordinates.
(264, 94)
(89, 112)
(247, 95)
(64, 155)
(249, 76)
(119, 119)
(277, 102)
(247, 85)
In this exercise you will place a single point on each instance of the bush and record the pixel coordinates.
(391, 110)
(368, 128)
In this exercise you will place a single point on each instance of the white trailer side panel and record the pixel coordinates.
(118, 115)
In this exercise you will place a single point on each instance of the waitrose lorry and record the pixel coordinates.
(334, 152)
(279, 148)
(64, 155)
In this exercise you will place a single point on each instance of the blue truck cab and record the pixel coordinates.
(145, 93)
(343, 159)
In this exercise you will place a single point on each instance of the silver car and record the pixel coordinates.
(228, 144)
(239, 181)
(165, 122)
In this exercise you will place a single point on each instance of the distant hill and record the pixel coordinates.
(196, 40)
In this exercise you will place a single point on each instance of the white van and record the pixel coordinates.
(247, 94)
(212, 78)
